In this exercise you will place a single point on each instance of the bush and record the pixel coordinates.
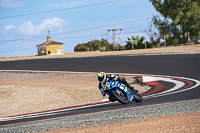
(95, 45)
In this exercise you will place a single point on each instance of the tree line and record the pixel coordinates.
(178, 22)
(95, 45)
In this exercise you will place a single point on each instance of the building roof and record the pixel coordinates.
(50, 43)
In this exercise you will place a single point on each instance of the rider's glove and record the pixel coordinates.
(116, 77)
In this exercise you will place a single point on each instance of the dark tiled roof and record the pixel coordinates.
(50, 43)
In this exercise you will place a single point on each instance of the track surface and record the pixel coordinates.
(185, 65)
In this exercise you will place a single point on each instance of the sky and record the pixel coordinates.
(25, 23)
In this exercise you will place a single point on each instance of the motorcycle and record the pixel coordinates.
(120, 92)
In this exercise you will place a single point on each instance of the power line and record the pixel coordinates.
(79, 37)
(73, 31)
(134, 32)
(65, 9)
(43, 36)
(97, 27)
(5, 51)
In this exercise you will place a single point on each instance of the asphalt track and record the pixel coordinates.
(181, 65)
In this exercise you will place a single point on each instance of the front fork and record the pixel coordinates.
(129, 94)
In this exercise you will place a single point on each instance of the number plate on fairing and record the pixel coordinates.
(120, 85)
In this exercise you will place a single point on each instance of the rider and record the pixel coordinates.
(102, 77)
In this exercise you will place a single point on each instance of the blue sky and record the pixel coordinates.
(25, 23)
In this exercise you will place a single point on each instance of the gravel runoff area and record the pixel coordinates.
(108, 120)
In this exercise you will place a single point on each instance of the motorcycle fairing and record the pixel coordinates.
(110, 85)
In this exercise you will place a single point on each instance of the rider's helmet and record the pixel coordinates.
(101, 76)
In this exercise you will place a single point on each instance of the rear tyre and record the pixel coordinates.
(119, 97)
(138, 98)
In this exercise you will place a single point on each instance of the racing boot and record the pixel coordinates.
(136, 92)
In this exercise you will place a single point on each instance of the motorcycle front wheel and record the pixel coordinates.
(121, 97)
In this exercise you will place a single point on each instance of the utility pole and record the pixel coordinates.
(132, 41)
(114, 34)
(145, 44)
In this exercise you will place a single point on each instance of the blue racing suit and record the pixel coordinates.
(115, 78)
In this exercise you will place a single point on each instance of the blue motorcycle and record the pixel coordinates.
(120, 92)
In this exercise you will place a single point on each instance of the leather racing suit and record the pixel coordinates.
(115, 78)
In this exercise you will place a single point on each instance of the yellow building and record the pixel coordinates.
(50, 47)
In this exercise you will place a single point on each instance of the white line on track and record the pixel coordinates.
(174, 88)
(162, 54)
(48, 113)
(178, 84)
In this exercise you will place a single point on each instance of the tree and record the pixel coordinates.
(80, 48)
(168, 30)
(94, 45)
(154, 34)
(181, 19)
(138, 43)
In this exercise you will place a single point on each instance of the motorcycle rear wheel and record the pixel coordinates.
(120, 97)
(138, 98)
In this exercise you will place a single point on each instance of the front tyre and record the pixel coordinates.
(119, 97)
(112, 99)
